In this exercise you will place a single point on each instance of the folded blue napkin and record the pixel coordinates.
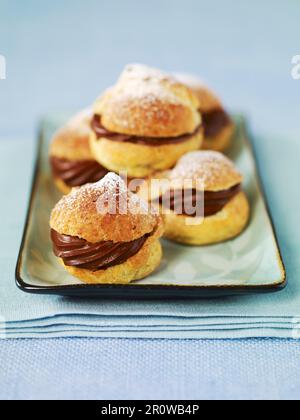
(271, 315)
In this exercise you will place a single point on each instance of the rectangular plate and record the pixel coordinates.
(250, 263)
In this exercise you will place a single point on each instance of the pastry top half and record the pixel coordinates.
(208, 100)
(216, 121)
(105, 211)
(149, 103)
(71, 142)
(213, 169)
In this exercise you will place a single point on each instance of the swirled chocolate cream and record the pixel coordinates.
(193, 202)
(71, 160)
(76, 252)
(103, 233)
(214, 122)
(101, 132)
(75, 173)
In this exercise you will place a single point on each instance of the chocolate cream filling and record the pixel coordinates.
(102, 132)
(214, 122)
(77, 173)
(190, 202)
(76, 252)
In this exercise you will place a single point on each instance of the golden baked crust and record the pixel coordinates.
(209, 102)
(135, 268)
(147, 102)
(71, 142)
(140, 160)
(215, 170)
(207, 98)
(226, 224)
(86, 213)
(220, 142)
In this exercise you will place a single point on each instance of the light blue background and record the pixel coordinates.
(60, 55)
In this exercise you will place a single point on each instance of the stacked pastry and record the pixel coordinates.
(103, 233)
(149, 125)
(71, 159)
(217, 124)
(145, 123)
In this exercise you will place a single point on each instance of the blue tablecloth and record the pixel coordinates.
(60, 56)
(143, 369)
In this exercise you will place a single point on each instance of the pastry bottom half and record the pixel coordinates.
(135, 268)
(226, 224)
(220, 142)
(139, 160)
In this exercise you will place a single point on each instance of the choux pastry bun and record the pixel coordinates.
(202, 201)
(71, 160)
(145, 123)
(103, 233)
(217, 124)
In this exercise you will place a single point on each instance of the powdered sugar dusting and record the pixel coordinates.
(145, 74)
(111, 184)
(212, 168)
(148, 102)
(146, 84)
(109, 195)
(208, 99)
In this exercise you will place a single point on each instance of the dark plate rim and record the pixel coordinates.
(134, 290)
